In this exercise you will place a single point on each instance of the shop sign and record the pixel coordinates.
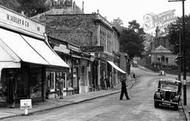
(62, 48)
(74, 48)
(25, 104)
(18, 22)
(92, 49)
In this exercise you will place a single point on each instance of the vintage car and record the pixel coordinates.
(168, 93)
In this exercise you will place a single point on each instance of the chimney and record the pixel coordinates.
(83, 6)
(98, 11)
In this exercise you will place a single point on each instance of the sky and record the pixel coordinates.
(128, 10)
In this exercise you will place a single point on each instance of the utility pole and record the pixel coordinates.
(180, 58)
(183, 47)
(184, 54)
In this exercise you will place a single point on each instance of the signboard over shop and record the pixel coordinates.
(17, 22)
(92, 49)
(62, 48)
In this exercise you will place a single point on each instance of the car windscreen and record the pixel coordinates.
(169, 87)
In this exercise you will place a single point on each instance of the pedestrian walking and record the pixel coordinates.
(124, 89)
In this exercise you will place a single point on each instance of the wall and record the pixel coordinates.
(82, 30)
(77, 29)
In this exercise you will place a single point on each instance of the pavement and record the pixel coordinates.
(187, 107)
(50, 104)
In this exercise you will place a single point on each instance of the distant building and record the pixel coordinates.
(163, 56)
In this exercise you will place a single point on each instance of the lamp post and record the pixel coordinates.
(183, 47)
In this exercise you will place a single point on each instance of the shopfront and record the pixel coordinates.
(71, 55)
(108, 71)
(94, 71)
(85, 76)
(25, 58)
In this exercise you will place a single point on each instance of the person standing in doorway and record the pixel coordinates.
(60, 87)
(123, 89)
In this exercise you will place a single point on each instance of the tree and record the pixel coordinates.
(29, 7)
(175, 34)
(32, 7)
(11, 4)
(131, 40)
(117, 22)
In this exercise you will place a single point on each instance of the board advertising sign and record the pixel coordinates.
(18, 22)
(25, 104)
(93, 49)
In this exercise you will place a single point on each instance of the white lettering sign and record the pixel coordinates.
(62, 48)
(20, 23)
(25, 104)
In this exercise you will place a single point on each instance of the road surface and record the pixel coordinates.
(139, 108)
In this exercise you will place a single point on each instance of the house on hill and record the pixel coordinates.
(163, 56)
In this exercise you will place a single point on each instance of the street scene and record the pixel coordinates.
(140, 107)
(81, 60)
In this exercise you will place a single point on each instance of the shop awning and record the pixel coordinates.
(19, 48)
(116, 67)
(45, 51)
(29, 50)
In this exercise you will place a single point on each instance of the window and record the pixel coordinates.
(50, 81)
(62, 77)
(36, 83)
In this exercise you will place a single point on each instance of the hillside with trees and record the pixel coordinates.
(132, 40)
(175, 30)
(28, 7)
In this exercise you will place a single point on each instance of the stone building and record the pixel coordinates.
(163, 56)
(87, 30)
(160, 54)
(29, 67)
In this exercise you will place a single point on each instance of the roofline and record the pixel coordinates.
(97, 16)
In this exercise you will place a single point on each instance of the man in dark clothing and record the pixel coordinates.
(123, 89)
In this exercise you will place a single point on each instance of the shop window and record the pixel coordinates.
(62, 77)
(75, 77)
(69, 80)
(50, 81)
(9, 85)
(36, 83)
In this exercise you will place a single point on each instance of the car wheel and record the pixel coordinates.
(156, 104)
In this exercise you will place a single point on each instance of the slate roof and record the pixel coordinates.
(161, 49)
